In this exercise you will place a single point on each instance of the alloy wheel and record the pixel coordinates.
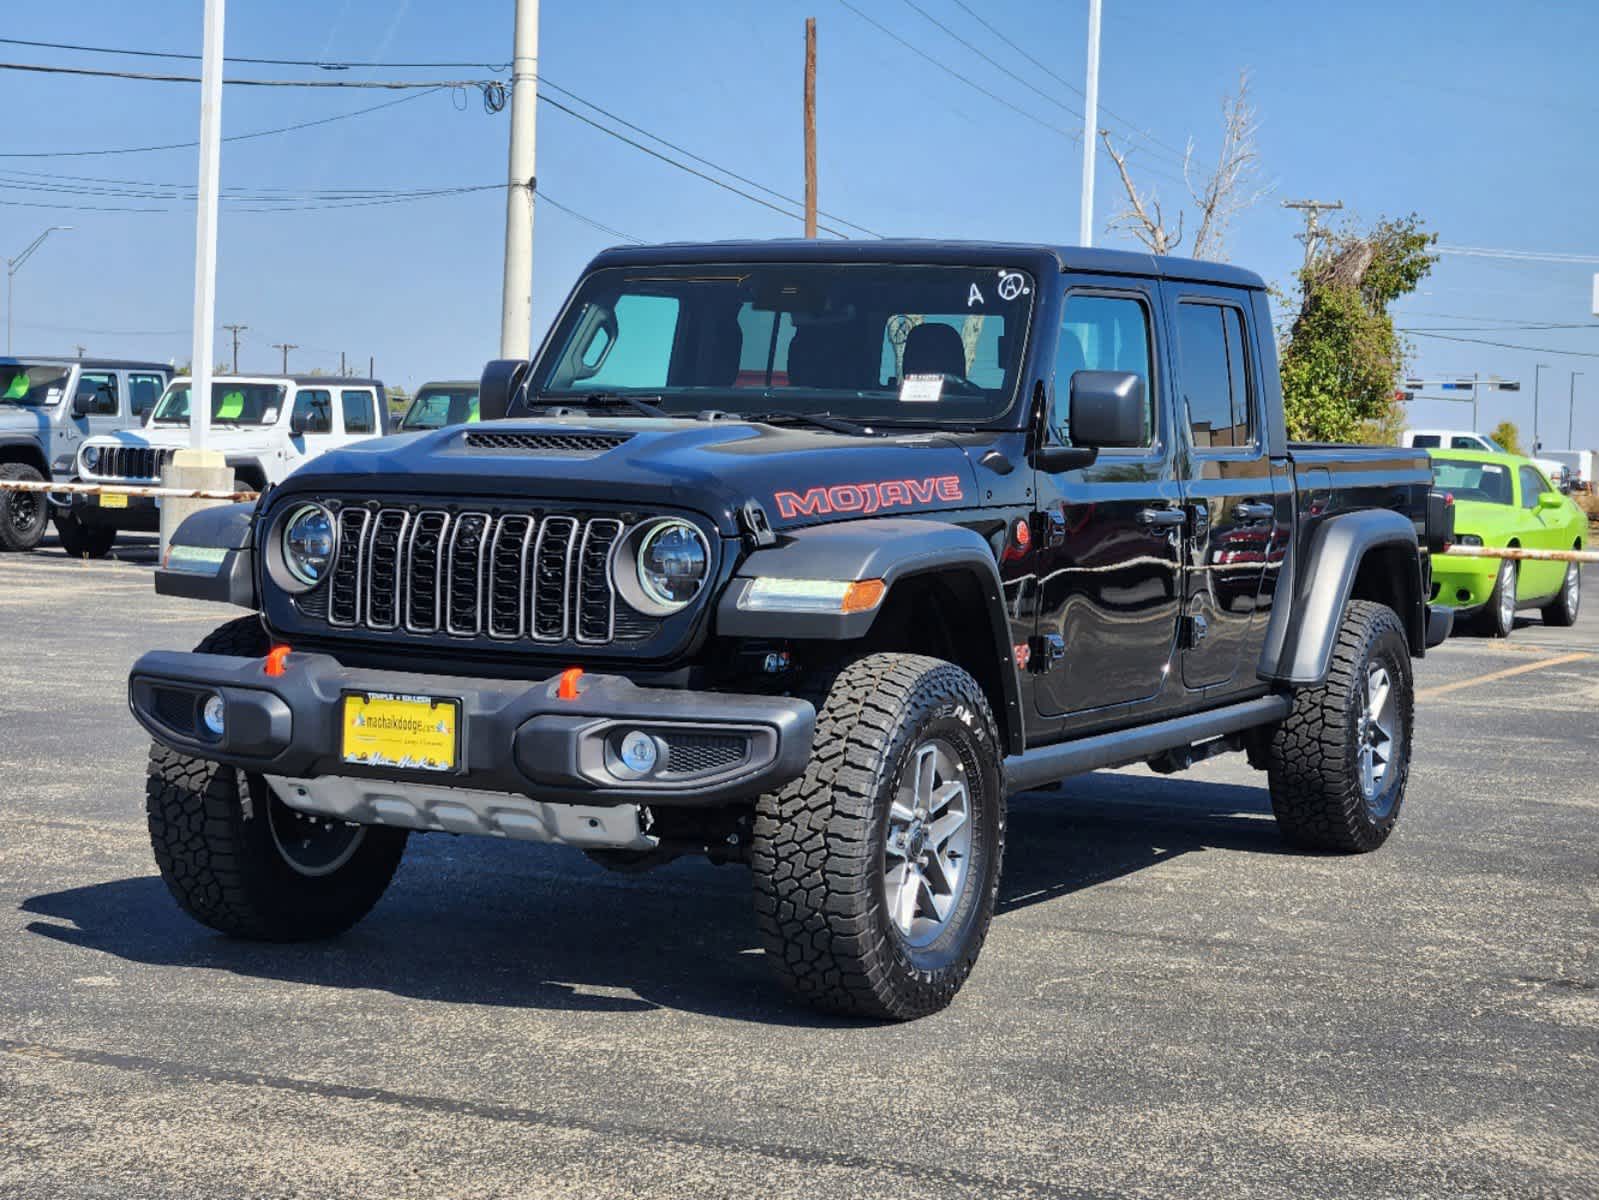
(1379, 735)
(1507, 596)
(926, 855)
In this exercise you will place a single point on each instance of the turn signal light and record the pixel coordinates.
(862, 596)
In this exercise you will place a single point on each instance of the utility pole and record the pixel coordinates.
(1313, 232)
(12, 264)
(285, 347)
(371, 367)
(1571, 412)
(516, 304)
(810, 127)
(1085, 225)
(205, 223)
(235, 330)
(1537, 377)
(342, 371)
(80, 350)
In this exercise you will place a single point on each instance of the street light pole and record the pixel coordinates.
(1571, 412)
(1085, 227)
(12, 264)
(1537, 378)
(516, 303)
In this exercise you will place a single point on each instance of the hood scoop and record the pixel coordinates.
(545, 444)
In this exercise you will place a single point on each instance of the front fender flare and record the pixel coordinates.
(892, 549)
(1301, 633)
(212, 557)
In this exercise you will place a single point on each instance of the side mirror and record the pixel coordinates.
(497, 389)
(1551, 500)
(1108, 409)
(83, 404)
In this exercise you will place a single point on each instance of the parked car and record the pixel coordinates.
(1449, 439)
(439, 404)
(1012, 513)
(1505, 500)
(265, 425)
(48, 406)
(1577, 467)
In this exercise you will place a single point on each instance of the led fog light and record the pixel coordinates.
(639, 752)
(214, 715)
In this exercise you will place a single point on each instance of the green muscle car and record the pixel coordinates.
(1505, 500)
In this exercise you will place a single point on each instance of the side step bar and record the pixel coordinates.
(1050, 764)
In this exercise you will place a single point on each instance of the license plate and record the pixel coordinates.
(417, 733)
(113, 500)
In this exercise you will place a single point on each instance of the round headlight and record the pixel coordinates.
(308, 544)
(673, 562)
(91, 458)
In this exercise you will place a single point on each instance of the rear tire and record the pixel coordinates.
(1563, 612)
(236, 858)
(23, 515)
(1339, 761)
(84, 541)
(877, 871)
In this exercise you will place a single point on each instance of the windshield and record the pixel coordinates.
(1484, 482)
(889, 344)
(436, 407)
(32, 385)
(231, 404)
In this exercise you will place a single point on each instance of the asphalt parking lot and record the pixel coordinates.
(1169, 1003)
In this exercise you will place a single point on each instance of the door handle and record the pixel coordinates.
(1250, 510)
(1162, 518)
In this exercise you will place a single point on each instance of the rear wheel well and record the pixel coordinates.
(27, 454)
(944, 615)
(1388, 576)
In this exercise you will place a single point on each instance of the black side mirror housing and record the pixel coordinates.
(82, 404)
(500, 387)
(1108, 408)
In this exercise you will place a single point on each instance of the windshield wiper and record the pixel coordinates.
(635, 402)
(820, 420)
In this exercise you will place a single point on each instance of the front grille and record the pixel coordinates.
(577, 445)
(544, 577)
(132, 462)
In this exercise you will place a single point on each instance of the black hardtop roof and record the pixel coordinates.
(450, 383)
(934, 251)
(105, 364)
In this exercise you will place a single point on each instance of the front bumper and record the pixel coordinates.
(141, 514)
(1463, 583)
(515, 737)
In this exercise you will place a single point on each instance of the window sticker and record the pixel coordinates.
(921, 389)
(51, 396)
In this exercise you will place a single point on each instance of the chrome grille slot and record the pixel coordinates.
(595, 598)
(385, 545)
(344, 585)
(533, 575)
(507, 575)
(463, 582)
(424, 571)
(552, 569)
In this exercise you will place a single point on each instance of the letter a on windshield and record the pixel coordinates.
(975, 296)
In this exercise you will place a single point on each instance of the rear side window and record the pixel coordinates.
(101, 388)
(1215, 375)
(1102, 333)
(1532, 486)
(313, 411)
(360, 413)
(144, 390)
(1430, 441)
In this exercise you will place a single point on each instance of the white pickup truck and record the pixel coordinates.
(266, 425)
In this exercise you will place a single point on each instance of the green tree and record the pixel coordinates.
(1342, 356)
(1508, 436)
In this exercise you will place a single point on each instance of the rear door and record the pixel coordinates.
(1237, 507)
(1108, 536)
(359, 406)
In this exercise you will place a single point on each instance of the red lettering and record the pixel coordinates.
(812, 503)
(922, 489)
(847, 498)
(894, 492)
(869, 497)
(949, 487)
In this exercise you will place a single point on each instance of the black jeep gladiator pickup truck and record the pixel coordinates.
(801, 555)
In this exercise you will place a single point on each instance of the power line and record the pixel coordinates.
(1513, 327)
(587, 220)
(993, 62)
(320, 64)
(949, 70)
(1444, 337)
(1517, 255)
(151, 77)
(237, 137)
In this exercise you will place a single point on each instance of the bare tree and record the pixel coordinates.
(1217, 197)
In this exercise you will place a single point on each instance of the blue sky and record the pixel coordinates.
(1478, 116)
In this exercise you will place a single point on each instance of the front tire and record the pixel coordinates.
(236, 858)
(877, 871)
(1563, 612)
(1338, 763)
(84, 541)
(1499, 614)
(23, 515)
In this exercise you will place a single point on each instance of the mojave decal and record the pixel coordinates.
(869, 497)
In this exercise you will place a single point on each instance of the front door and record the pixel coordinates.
(317, 423)
(1108, 536)
(1238, 510)
(1539, 579)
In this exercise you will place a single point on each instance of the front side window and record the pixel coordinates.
(1215, 375)
(360, 413)
(1532, 486)
(436, 407)
(32, 385)
(232, 403)
(100, 387)
(1484, 482)
(313, 411)
(1101, 333)
(884, 343)
(1465, 443)
(143, 391)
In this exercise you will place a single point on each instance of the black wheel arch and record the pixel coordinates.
(25, 450)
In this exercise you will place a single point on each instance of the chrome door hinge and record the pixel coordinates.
(1195, 629)
(1046, 650)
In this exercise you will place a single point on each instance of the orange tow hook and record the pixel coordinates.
(567, 688)
(274, 661)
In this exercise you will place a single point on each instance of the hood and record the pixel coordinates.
(29, 422)
(799, 475)
(176, 437)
